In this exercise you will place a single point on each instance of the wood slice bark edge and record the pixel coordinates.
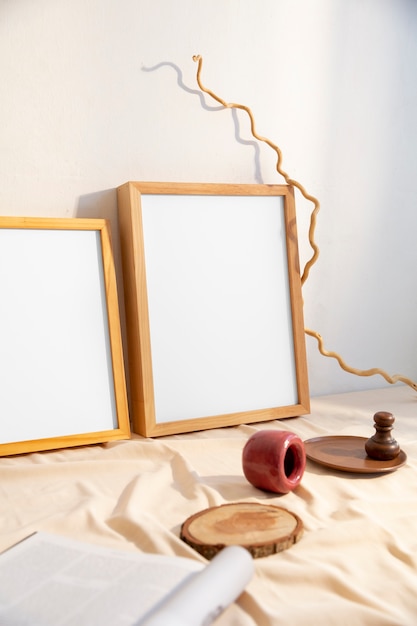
(262, 529)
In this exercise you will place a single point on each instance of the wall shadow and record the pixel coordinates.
(103, 205)
(203, 102)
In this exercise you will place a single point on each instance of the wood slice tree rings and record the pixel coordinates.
(260, 528)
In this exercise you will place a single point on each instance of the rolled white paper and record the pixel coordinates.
(203, 596)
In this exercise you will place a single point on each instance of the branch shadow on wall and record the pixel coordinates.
(207, 107)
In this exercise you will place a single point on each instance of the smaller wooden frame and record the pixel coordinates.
(62, 379)
(178, 241)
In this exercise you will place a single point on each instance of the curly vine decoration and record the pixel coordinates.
(313, 219)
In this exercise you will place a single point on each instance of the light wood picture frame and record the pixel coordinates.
(214, 317)
(62, 378)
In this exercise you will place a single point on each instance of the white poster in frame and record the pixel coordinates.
(213, 304)
(61, 359)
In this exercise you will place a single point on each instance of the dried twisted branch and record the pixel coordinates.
(396, 378)
(288, 180)
(313, 219)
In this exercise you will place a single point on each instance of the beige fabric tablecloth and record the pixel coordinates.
(356, 563)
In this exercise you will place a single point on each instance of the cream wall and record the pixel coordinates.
(95, 92)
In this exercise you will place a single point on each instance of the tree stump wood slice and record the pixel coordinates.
(260, 528)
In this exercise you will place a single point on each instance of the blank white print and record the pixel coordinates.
(219, 304)
(56, 372)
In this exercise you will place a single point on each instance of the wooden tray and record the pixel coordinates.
(260, 528)
(348, 454)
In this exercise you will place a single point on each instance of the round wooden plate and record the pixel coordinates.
(260, 528)
(348, 454)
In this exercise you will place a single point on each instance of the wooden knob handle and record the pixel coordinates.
(383, 419)
(382, 445)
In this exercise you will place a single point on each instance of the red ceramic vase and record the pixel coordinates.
(274, 460)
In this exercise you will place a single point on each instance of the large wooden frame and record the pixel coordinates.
(213, 305)
(62, 380)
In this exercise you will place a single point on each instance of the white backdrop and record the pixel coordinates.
(94, 93)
